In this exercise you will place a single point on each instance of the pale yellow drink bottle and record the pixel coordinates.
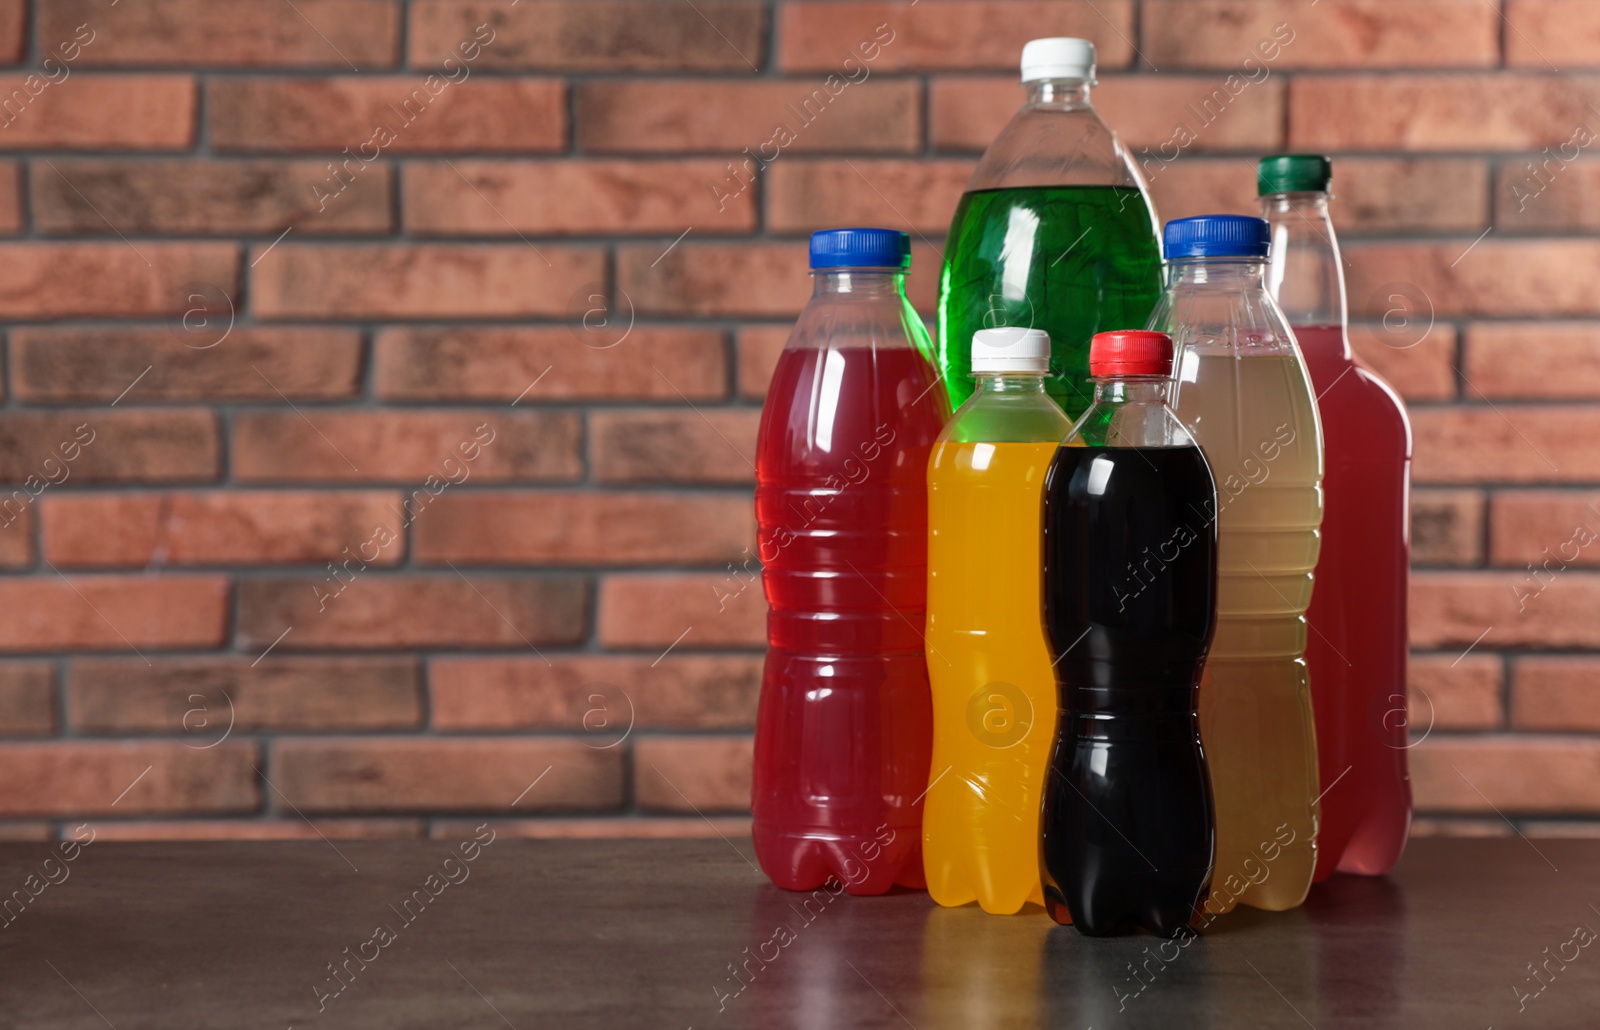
(1243, 391)
(994, 693)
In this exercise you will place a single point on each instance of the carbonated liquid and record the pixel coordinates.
(993, 688)
(1071, 260)
(1129, 602)
(1356, 652)
(1256, 419)
(844, 727)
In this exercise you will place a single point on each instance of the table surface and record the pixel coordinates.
(661, 934)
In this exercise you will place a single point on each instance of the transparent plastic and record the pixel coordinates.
(1243, 391)
(1356, 652)
(1055, 231)
(1130, 607)
(993, 690)
(843, 728)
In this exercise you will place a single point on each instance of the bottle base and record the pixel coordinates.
(860, 864)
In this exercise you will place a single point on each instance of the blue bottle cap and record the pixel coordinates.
(860, 248)
(1217, 236)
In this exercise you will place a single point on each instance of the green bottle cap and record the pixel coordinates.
(1293, 173)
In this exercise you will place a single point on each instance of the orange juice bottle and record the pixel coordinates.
(994, 693)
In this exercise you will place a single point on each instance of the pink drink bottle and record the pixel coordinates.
(1356, 650)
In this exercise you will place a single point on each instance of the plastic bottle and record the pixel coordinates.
(994, 698)
(1243, 392)
(1130, 572)
(1356, 651)
(844, 725)
(1055, 231)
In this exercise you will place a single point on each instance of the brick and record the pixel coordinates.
(1450, 112)
(604, 698)
(399, 281)
(397, 775)
(203, 697)
(408, 447)
(722, 609)
(98, 613)
(48, 280)
(1534, 360)
(766, 117)
(33, 831)
(1451, 610)
(98, 446)
(238, 34)
(690, 774)
(10, 199)
(563, 198)
(759, 348)
(1428, 826)
(388, 114)
(951, 35)
(1512, 444)
(237, 527)
(1562, 830)
(1550, 529)
(563, 528)
(64, 779)
(378, 611)
(290, 828)
(13, 31)
(499, 364)
(594, 828)
(1555, 694)
(54, 366)
(16, 531)
(649, 446)
(597, 35)
(1547, 192)
(1351, 34)
(1447, 527)
(28, 699)
(205, 198)
(1419, 361)
(1145, 111)
(1534, 776)
(1497, 277)
(1453, 693)
(803, 196)
(751, 279)
(1543, 31)
(1410, 195)
(1191, 186)
(98, 112)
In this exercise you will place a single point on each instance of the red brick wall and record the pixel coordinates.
(236, 348)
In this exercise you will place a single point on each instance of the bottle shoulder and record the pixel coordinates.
(1045, 146)
(1027, 418)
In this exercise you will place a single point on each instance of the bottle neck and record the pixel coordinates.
(1131, 390)
(1059, 94)
(1306, 273)
(860, 282)
(1011, 383)
(1235, 272)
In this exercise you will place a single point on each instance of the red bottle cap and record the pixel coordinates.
(1130, 352)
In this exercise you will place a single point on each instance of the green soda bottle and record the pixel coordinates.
(1055, 231)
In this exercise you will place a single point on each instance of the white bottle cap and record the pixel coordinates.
(1057, 57)
(1011, 349)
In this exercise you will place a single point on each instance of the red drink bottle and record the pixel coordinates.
(844, 731)
(1356, 650)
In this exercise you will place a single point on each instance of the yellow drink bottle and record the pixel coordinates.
(1244, 393)
(994, 693)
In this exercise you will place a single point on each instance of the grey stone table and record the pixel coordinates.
(676, 934)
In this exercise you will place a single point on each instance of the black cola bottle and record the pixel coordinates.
(1130, 588)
